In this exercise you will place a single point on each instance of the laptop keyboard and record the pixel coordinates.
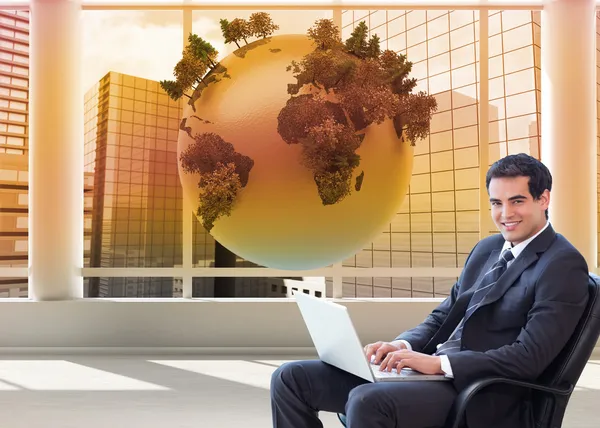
(378, 373)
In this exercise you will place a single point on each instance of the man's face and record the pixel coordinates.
(516, 214)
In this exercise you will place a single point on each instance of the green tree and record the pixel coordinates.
(227, 32)
(373, 47)
(218, 192)
(262, 25)
(325, 34)
(202, 50)
(357, 42)
(397, 69)
(239, 29)
(189, 71)
(173, 89)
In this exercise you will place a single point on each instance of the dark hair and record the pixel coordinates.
(522, 165)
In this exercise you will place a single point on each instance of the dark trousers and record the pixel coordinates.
(301, 389)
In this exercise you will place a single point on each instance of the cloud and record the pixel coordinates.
(148, 44)
(124, 42)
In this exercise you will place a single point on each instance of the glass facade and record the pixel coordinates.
(131, 130)
(438, 223)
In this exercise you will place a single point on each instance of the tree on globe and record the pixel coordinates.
(347, 87)
(262, 25)
(198, 59)
(239, 29)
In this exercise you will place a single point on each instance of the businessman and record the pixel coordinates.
(515, 305)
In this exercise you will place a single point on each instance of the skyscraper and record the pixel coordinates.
(131, 130)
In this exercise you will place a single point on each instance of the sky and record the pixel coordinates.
(148, 44)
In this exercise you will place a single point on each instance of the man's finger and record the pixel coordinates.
(370, 351)
(398, 360)
(402, 364)
(386, 364)
(391, 364)
(379, 355)
(390, 360)
(383, 363)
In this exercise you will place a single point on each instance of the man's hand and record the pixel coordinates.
(381, 349)
(423, 363)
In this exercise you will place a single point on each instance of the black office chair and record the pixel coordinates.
(553, 389)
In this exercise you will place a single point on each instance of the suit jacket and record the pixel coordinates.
(519, 328)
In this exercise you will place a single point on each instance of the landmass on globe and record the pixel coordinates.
(341, 89)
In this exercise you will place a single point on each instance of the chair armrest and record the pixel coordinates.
(462, 400)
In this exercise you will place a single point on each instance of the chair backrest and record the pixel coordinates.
(567, 367)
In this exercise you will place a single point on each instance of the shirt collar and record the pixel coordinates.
(518, 249)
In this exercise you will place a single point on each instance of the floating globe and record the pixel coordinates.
(278, 218)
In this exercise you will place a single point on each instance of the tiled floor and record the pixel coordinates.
(173, 392)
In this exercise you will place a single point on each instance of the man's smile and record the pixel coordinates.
(510, 225)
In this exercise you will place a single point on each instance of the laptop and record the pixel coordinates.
(337, 342)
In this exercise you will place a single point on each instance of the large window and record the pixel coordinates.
(133, 193)
(133, 198)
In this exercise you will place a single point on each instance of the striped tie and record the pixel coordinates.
(489, 279)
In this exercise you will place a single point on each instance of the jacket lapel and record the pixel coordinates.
(509, 277)
(459, 308)
(529, 255)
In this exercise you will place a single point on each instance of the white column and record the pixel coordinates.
(187, 208)
(56, 151)
(569, 120)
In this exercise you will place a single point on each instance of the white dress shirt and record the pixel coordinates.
(516, 250)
